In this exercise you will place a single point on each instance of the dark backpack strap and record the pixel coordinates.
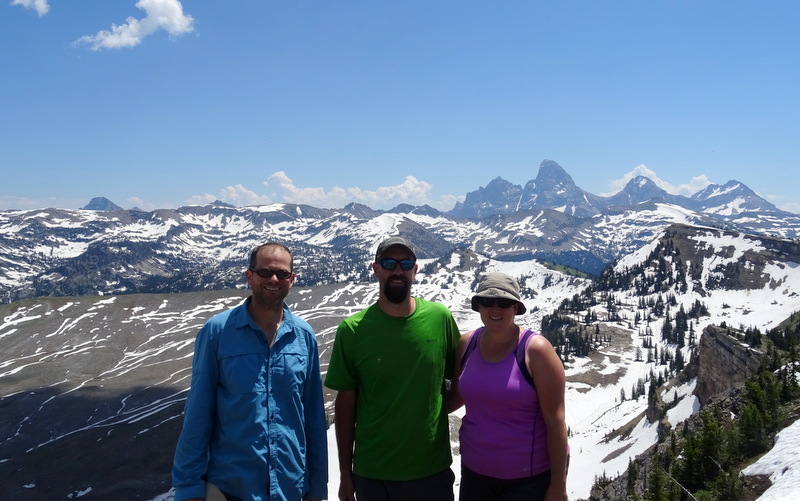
(520, 353)
(471, 345)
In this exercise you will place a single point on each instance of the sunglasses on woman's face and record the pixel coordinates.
(267, 273)
(490, 302)
(390, 264)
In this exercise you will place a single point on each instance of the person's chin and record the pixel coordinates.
(397, 294)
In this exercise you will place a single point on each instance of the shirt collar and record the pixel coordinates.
(243, 318)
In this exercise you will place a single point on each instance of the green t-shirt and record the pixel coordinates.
(398, 366)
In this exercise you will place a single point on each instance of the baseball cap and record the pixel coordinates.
(394, 242)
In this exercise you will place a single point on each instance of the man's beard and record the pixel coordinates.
(266, 300)
(397, 293)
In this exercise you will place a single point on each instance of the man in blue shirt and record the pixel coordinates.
(254, 423)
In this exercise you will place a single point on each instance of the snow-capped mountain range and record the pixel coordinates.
(553, 188)
(95, 373)
(92, 387)
(74, 252)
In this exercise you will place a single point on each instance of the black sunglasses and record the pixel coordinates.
(267, 273)
(489, 302)
(390, 264)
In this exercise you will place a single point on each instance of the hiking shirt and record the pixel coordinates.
(503, 433)
(397, 366)
(254, 416)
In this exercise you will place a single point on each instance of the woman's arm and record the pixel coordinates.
(548, 375)
(454, 400)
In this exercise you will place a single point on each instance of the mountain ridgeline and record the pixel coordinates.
(102, 306)
(103, 249)
(87, 377)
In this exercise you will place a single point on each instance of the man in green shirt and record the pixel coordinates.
(389, 365)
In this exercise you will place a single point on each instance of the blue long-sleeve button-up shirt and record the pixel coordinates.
(254, 421)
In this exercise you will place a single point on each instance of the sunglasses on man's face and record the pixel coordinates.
(390, 264)
(490, 302)
(267, 273)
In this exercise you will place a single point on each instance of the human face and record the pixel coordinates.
(490, 302)
(497, 313)
(270, 292)
(395, 284)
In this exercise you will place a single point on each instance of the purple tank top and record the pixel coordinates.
(503, 434)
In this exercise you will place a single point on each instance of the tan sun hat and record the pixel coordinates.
(496, 285)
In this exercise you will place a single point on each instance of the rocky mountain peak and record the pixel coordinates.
(101, 203)
(640, 189)
(552, 175)
(498, 197)
(731, 198)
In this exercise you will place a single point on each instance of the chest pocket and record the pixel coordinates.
(288, 372)
(244, 373)
(251, 373)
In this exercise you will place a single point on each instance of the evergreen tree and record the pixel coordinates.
(710, 446)
(633, 473)
(657, 481)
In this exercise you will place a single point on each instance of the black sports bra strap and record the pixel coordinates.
(520, 353)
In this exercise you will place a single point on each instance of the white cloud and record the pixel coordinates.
(161, 14)
(790, 207)
(780, 202)
(282, 189)
(235, 195)
(411, 191)
(696, 184)
(40, 6)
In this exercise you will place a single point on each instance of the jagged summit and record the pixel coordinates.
(101, 203)
(220, 203)
(730, 199)
(554, 188)
(498, 197)
(195, 247)
(642, 189)
(552, 175)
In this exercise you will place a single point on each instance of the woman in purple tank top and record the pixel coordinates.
(513, 435)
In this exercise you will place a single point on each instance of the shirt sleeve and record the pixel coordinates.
(191, 453)
(316, 426)
(453, 335)
(341, 375)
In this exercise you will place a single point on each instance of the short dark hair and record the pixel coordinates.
(254, 253)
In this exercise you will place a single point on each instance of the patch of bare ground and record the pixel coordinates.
(618, 342)
(755, 486)
(616, 453)
(625, 430)
(621, 433)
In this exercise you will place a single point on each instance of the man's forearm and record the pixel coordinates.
(345, 423)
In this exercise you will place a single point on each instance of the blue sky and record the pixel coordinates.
(164, 103)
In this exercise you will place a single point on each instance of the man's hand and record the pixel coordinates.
(346, 489)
